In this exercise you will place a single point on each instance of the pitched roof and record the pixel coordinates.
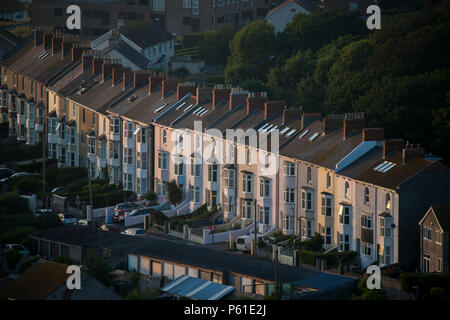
(146, 33)
(131, 54)
(38, 282)
(7, 40)
(303, 3)
(442, 212)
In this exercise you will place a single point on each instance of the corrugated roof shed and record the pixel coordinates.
(197, 289)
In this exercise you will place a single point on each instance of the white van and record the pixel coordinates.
(243, 243)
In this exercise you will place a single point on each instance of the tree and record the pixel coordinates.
(12, 203)
(99, 268)
(17, 235)
(252, 50)
(29, 185)
(214, 47)
(174, 192)
(151, 195)
(13, 257)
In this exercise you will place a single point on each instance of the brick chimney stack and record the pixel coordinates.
(256, 101)
(353, 122)
(331, 122)
(204, 94)
(140, 78)
(117, 74)
(97, 62)
(155, 80)
(185, 88)
(108, 66)
(77, 51)
(127, 77)
(373, 134)
(38, 36)
(308, 118)
(238, 97)
(168, 85)
(56, 42)
(220, 93)
(274, 107)
(86, 59)
(410, 151)
(68, 43)
(291, 114)
(392, 145)
(47, 40)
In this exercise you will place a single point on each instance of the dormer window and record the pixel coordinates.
(388, 201)
(308, 175)
(366, 196)
(346, 189)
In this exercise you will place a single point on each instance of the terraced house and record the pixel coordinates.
(260, 162)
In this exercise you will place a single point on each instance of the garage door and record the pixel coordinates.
(132, 263)
(247, 285)
(156, 268)
(193, 272)
(144, 266)
(178, 271)
(168, 270)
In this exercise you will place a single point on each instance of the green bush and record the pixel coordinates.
(17, 235)
(12, 259)
(331, 258)
(364, 293)
(262, 244)
(135, 294)
(437, 293)
(151, 196)
(29, 185)
(12, 203)
(313, 244)
(192, 40)
(425, 281)
(62, 177)
(20, 152)
(158, 218)
(392, 272)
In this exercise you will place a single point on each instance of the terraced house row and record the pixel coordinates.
(306, 173)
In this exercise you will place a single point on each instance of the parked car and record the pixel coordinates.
(86, 222)
(5, 173)
(121, 209)
(43, 211)
(17, 247)
(18, 175)
(57, 190)
(139, 212)
(137, 232)
(67, 218)
(110, 227)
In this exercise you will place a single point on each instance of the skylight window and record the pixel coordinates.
(290, 133)
(197, 110)
(181, 105)
(201, 114)
(384, 167)
(160, 108)
(315, 135)
(284, 130)
(303, 134)
(272, 129)
(188, 108)
(264, 127)
(268, 128)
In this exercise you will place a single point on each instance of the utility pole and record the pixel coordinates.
(256, 221)
(44, 156)
(89, 181)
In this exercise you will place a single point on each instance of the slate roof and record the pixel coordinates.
(303, 3)
(38, 282)
(7, 40)
(131, 54)
(174, 251)
(146, 33)
(197, 289)
(442, 212)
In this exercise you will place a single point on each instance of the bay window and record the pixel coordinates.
(289, 195)
(229, 178)
(247, 182)
(289, 168)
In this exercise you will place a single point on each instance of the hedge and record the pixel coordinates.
(17, 235)
(425, 281)
(332, 258)
(20, 152)
(101, 200)
(62, 177)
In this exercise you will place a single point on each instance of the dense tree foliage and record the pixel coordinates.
(330, 62)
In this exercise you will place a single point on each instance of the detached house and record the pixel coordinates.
(435, 240)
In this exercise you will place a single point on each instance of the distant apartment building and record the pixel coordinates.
(282, 14)
(177, 16)
(140, 45)
(359, 6)
(434, 239)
